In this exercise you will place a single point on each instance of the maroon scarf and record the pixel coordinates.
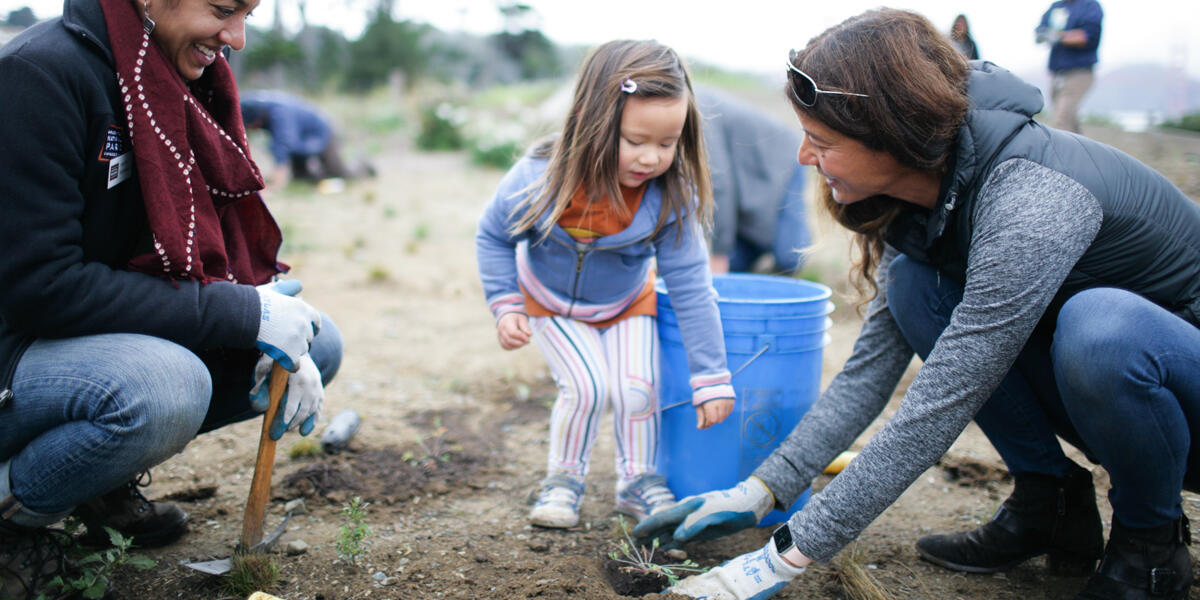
(198, 182)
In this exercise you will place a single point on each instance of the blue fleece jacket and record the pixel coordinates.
(594, 281)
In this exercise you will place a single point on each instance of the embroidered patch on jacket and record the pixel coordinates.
(114, 144)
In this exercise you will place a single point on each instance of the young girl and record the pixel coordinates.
(566, 251)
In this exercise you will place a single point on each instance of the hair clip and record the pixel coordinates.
(629, 86)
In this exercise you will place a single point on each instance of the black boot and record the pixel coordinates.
(1143, 564)
(125, 509)
(1044, 515)
(29, 559)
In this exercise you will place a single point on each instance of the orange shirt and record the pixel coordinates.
(586, 221)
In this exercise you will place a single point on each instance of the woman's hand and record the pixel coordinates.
(712, 412)
(752, 576)
(710, 515)
(513, 331)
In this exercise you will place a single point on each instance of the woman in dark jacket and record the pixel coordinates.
(1049, 283)
(138, 262)
(960, 36)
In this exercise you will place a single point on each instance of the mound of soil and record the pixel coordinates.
(628, 581)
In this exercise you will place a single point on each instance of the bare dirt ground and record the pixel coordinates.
(454, 429)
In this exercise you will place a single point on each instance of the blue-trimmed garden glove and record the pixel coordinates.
(300, 406)
(710, 515)
(287, 325)
(752, 576)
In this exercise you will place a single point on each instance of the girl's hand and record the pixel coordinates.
(513, 331)
(712, 412)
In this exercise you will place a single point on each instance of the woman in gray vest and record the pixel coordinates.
(1050, 284)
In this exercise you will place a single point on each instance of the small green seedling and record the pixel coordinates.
(95, 568)
(351, 540)
(640, 559)
(305, 448)
(249, 573)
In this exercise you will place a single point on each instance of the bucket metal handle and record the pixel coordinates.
(760, 352)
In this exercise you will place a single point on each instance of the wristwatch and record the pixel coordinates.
(786, 548)
(783, 539)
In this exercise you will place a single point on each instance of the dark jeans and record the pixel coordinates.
(1116, 376)
(327, 164)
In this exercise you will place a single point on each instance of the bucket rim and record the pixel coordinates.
(824, 292)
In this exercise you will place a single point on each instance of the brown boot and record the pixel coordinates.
(125, 509)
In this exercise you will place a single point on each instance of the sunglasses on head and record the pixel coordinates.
(804, 88)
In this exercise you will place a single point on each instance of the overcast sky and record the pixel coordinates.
(755, 35)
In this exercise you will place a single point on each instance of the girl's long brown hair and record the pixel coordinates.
(916, 83)
(585, 153)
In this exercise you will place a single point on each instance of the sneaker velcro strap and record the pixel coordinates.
(563, 481)
(1159, 580)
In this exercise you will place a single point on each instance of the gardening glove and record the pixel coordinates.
(755, 575)
(287, 325)
(710, 515)
(301, 402)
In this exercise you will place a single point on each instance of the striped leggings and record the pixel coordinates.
(591, 366)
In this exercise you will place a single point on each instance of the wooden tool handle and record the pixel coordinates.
(260, 486)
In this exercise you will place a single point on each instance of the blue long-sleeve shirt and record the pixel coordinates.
(1081, 14)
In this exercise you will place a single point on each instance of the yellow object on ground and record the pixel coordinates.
(840, 462)
(263, 596)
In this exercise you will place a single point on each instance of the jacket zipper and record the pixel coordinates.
(581, 250)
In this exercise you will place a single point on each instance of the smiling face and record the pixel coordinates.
(650, 131)
(192, 32)
(852, 171)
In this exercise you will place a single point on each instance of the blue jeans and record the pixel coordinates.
(90, 413)
(791, 234)
(1115, 375)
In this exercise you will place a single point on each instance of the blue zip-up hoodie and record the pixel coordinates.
(596, 281)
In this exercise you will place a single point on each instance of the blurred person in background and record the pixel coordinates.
(303, 141)
(960, 36)
(758, 187)
(1072, 28)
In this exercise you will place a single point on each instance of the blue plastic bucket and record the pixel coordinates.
(775, 335)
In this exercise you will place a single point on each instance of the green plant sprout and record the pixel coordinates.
(96, 568)
(640, 559)
(351, 540)
(435, 450)
(305, 448)
(251, 572)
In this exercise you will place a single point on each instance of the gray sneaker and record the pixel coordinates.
(645, 496)
(558, 502)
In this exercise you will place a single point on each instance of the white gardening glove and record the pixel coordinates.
(710, 515)
(301, 402)
(753, 576)
(287, 325)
